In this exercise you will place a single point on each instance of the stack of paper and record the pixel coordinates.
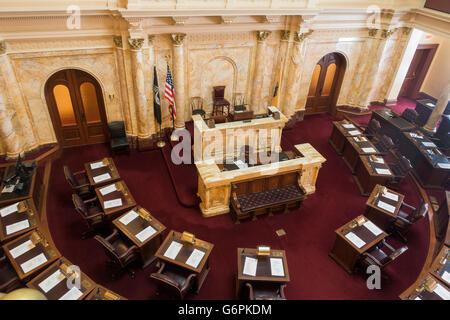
(49, 283)
(33, 263)
(15, 227)
(390, 195)
(106, 190)
(250, 265)
(373, 228)
(130, 216)
(442, 292)
(9, 209)
(146, 233)
(382, 171)
(195, 258)
(368, 150)
(348, 126)
(102, 177)
(385, 206)
(72, 294)
(357, 241)
(173, 250)
(276, 267)
(112, 203)
(21, 249)
(354, 132)
(97, 165)
(8, 189)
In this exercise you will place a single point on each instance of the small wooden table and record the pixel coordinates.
(145, 231)
(340, 131)
(121, 193)
(441, 266)
(369, 173)
(382, 208)
(185, 252)
(418, 290)
(17, 219)
(30, 253)
(355, 146)
(102, 293)
(102, 167)
(59, 282)
(345, 252)
(263, 268)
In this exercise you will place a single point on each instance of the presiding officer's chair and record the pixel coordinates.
(173, 281)
(119, 142)
(219, 101)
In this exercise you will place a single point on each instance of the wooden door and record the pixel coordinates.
(325, 84)
(417, 70)
(76, 107)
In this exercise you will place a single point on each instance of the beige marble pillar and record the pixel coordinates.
(178, 82)
(139, 87)
(284, 43)
(258, 75)
(8, 135)
(154, 125)
(441, 104)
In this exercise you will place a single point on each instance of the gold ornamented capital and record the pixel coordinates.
(387, 33)
(373, 32)
(262, 35)
(151, 38)
(285, 35)
(2, 47)
(118, 41)
(299, 37)
(136, 43)
(178, 38)
(406, 30)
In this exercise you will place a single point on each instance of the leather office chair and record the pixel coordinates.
(91, 213)
(9, 280)
(219, 101)
(197, 106)
(120, 251)
(405, 221)
(372, 131)
(81, 186)
(400, 169)
(173, 281)
(384, 145)
(410, 115)
(265, 291)
(119, 142)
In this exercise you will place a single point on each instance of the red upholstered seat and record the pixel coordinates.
(252, 201)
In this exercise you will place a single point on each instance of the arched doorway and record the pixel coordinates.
(77, 109)
(325, 84)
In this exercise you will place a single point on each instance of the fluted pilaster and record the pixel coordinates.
(178, 77)
(258, 77)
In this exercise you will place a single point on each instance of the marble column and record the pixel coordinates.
(441, 104)
(178, 83)
(284, 43)
(258, 76)
(139, 87)
(154, 125)
(8, 136)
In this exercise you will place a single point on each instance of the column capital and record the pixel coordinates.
(150, 38)
(406, 31)
(262, 35)
(373, 32)
(387, 33)
(299, 37)
(284, 34)
(2, 46)
(118, 41)
(136, 43)
(178, 38)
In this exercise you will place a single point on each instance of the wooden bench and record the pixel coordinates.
(265, 195)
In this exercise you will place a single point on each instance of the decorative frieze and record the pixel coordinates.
(180, 21)
(178, 38)
(136, 43)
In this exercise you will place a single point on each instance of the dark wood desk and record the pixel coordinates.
(341, 129)
(121, 193)
(263, 268)
(102, 293)
(354, 147)
(441, 266)
(17, 219)
(424, 109)
(345, 252)
(419, 292)
(382, 208)
(105, 167)
(145, 231)
(36, 253)
(202, 269)
(369, 173)
(391, 123)
(58, 282)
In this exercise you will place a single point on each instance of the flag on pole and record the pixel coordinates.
(275, 98)
(156, 99)
(169, 94)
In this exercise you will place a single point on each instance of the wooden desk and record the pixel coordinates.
(355, 146)
(424, 108)
(367, 175)
(102, 293)
(133, 223)
(108, 167)
(391, 123)
(59, 281)
(340, 131)
(17, 219)
(418, 292)
(122, 193)
(202, 268)
(240, 115)
(441, 266)
(385, 215)
(263, 269)
(345, 252)
(38, 247)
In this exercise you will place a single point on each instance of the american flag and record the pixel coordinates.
(169, 94)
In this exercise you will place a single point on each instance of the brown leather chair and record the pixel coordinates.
(384, 144)
(400, 169)
(91, 212)
(121, 252)
(197, 106)
(219, 101)
(9, 280)
(80, 186)
(405, 221)
(372, 131)
(173, 281)
(410, 115)
(265, 291)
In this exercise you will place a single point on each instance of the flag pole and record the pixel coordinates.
(161, 143)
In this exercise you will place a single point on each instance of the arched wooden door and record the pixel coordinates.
(77, 109)
(325, 84)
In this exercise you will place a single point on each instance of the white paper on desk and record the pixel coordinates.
(241, 164)
(195, 258)
(97, 165)
(385, 206)
(348, 126)
(276, 267)
(414, 135)
(443, 165)
(49, 283)
(21, 249)
(8, 189)
(429, 144)
(111, 188)
(382, 171)
(417, 298)
(102, 177)
(356, 139)
(442, 292)
(112, 203)
(446, 276)
(130, 216)
(173, 250)
(430, 104)
(354, 132)
(367, 150)
(373, 228)
(250, 265)
(17, 226)
(9, 209)
(33, 263)
(363, 139)
(357, 241)
(390, 195)
(146, 233)
(72, 294)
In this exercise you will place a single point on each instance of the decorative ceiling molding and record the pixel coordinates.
(272, 19)
(180, 20)
(227, 19)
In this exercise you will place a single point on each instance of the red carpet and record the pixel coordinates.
(310, 230)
